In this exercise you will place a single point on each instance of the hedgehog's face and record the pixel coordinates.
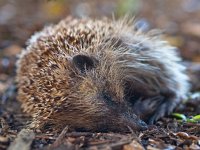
(102, 98)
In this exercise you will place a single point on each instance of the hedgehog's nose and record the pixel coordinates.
(135, 123)
(142, 125)
(138, 125)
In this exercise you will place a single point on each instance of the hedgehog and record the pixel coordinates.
(99, 75)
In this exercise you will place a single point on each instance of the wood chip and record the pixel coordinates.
(23, 140)
(134, 145)
(4, 139)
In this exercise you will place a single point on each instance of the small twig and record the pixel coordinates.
(99, 142)
(46, 137)
(131, 130)
(78, 134)
(119, 144)
(60, 138)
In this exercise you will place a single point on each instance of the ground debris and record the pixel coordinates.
(134, 145)
(23, 141)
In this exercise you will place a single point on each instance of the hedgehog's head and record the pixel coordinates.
(102, 105)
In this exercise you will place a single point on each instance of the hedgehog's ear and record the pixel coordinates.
(83, 62)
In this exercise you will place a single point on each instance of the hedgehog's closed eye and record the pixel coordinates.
(108, 99)
(106, 96)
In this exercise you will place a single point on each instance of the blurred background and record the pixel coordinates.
(179, 19)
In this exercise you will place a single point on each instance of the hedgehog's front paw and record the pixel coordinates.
(164, 109)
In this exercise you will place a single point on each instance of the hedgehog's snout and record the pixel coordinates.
(134, 122)
(142, 125)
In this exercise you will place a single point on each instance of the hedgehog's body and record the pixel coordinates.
(97, 74)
